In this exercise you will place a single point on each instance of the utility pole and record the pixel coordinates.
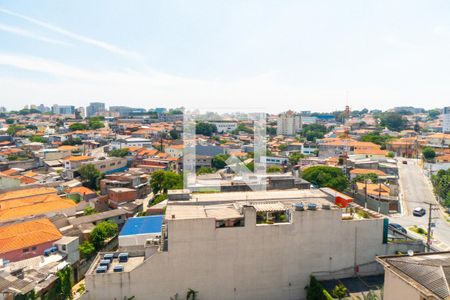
(429, 227)
(430, 223)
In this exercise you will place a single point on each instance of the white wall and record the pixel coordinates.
(251, 262)
(395, 288)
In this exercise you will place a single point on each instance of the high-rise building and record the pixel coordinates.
(288, 123)
(81, 111)
(63, 109)
(446, 120)
(43, 108)
(95, 109)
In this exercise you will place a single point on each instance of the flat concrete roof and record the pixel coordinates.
(272, 195)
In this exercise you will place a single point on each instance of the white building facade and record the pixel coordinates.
(446, 120)
(288, 123)
(223, 252)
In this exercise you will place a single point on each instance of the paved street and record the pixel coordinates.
(417, 191)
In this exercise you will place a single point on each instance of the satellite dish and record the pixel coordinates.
(410, 252)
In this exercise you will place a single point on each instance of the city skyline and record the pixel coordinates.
(228, 55)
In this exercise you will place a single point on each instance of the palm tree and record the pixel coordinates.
(191, 294)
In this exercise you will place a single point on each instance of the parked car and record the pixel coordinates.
(398, 227)
(419, 211)
(405, 162)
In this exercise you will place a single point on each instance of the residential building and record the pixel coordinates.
(63, 109)
(137, 231)
(255, 245)
(288, 123)
(133, 179)
(224, 126)
(131, 142)
(95, 109)
(416, 277)
(175, 150)
(28, 239)
(446, 120)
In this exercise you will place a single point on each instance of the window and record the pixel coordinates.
(25, 250)
(33, 248)
(63, 247)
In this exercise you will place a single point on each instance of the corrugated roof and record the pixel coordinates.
(431, 271)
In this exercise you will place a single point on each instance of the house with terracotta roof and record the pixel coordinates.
(22, 204)
(344, 146)
(404, 147)
(75, 162)
(175, 150)
(28, 239)
(356, 172)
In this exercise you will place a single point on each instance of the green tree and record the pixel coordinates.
(96, 123)
(339, 291)
(295, 157)
(205, 170)
(102, 231)
(393, 121)
(37, 138)
(174, 134)
(441, 185)
(78, 126)
(428, 153)
(206, 129)
(89, 211)
(12, 157)
(324, 176)
(372, 177)
(161, 181)
(313, 131)
(119, 152)
(433, 113)
(274, 169)
(219, 161)
(13, 129)
(9, 121)
(72, 142)
(86, 249)
(391, 154)
(376, 138)
(64, 284)
(90, 175)
(243, 128)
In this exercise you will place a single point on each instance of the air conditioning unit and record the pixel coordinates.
(152, 242)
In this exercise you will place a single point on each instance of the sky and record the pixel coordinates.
(232, 55)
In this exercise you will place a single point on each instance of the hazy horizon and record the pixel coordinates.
(252, 55)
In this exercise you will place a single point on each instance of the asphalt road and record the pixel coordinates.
(417, 191)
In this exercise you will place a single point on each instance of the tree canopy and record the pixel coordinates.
(441, 184)
(102, 231)
(428, 153)
(90, 175)
(324, 176)
(393, 121)
(204, 128)
(162, 181)
(119, 152)
(313, 131)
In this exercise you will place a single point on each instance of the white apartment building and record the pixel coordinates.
(446, 120)
(288, 123)
(131, 142)
(246, 245)
(224, 126)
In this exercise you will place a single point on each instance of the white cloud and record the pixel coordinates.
(29, 34)
(87, 40)
(66, 84)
